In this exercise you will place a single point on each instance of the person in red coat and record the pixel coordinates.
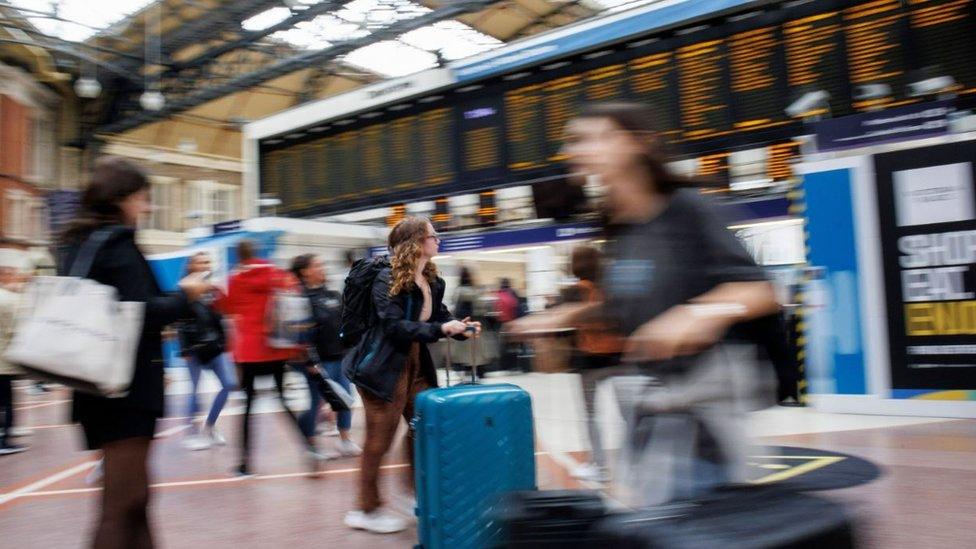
(249, 293)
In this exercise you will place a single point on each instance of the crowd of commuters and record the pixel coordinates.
(659, 297)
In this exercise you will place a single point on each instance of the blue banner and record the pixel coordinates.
(871, 128)
(586, 36)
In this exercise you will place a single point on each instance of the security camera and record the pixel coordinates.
(931, 86)
(808, 102)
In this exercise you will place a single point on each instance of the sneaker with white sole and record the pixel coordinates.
(18, 432)
(404, 504)
(348, 448)
(216, 437)
(378, 522)
(591, 472)
(196, 442)
(11, 448)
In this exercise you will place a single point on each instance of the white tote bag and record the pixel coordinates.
(75, 331)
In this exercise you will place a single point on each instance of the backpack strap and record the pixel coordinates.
(81, 266)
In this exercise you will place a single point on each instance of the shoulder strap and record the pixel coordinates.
(81, 267)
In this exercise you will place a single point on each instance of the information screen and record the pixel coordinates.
(710, 89)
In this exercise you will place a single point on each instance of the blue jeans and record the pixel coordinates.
(224, 369)
(307, 419)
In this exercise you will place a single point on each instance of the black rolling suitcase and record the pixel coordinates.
(740, 518)
(562, 519)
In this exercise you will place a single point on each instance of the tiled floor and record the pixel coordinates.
(924, 498)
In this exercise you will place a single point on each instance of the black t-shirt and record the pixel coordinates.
(682, 253)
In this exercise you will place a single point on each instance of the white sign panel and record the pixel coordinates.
(936, 194)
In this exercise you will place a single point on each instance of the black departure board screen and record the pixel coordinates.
(562, 99)
(436, 136)
(526, 128)
(874, 48)
(482, 140)
(814, 47)
(405, 171)
(714, 87)
(652, 81)
(756, 92)
(705, 112)
(944, 37)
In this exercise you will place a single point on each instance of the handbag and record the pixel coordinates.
(75, 331)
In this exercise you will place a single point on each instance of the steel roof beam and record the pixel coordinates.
(295, 63)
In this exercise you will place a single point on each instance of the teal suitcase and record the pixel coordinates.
(473, 443)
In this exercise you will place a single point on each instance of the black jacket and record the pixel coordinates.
(120, 264)
(203, 336)
(326, 307)
(376, 362)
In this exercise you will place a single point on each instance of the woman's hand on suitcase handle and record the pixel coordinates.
(471, 329)
(453, 328)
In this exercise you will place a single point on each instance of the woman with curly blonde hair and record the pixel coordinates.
(392, 364)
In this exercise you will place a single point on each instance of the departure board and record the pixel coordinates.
(373, 164)
(436, 129)
(346, 163)
(652, 82)
(874, 48)
(316, 177)
(705, 112)
(756, 94)
(944, 36)
(562, 99)
(813, 58)
(405, 171)
(720, 85)
(605, 83)
(525, 128)
(481, 129)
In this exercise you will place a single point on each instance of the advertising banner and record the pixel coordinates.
(927, 212)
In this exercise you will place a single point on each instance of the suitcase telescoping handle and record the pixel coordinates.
(450, 359)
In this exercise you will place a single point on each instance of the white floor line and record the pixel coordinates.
(47, 481)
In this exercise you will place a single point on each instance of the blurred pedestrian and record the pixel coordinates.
(9, 299)
(250, 295)
(676, 281)
(324, 337)
(408, 314)
(204, 347)
(116, 199)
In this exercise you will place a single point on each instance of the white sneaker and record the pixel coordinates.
(196, 442)
(348, 448)
(377, 522)
(215, 436)
(18, 432)
(591, 472)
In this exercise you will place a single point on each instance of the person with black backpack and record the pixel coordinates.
(324, 338)
(204, 346)
(395, 310)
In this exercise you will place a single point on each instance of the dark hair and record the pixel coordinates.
(639, 120)
(112, 180)
(245, 250)
(299, 264)
(189, 261)
(506, 284)
(584, 263)
(466, 278)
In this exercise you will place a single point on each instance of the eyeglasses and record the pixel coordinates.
(436, 237)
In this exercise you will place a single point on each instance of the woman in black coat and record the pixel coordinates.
(392, 364)
(114, 201)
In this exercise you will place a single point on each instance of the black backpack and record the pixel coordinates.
(357, 299)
